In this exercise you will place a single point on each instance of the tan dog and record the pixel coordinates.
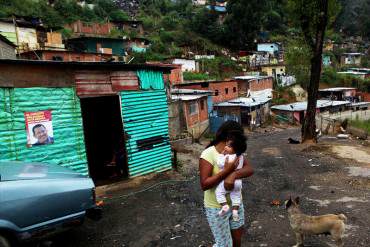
(329, 224)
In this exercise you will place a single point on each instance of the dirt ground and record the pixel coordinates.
(331, 177)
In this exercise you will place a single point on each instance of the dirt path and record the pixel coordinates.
(170, 214)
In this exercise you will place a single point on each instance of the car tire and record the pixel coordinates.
(4, 242)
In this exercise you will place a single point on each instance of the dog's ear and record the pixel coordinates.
(297, 200)
(288, 203)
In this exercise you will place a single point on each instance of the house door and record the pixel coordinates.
(104, 138)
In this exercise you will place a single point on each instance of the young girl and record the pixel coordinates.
(232, 150)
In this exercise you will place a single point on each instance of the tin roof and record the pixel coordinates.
(187, 97)
(337, 89)
(190, 91)
(256, 98)
(302, 106)
(360, 103)
(251, 77)
(352, 73)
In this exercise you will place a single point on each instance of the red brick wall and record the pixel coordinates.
(90, 28)
(257, 85)
(176, 76)
(220, 87)
(364, 96)
(200, 116)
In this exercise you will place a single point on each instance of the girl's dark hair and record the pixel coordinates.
(238, 142)
(224, 131)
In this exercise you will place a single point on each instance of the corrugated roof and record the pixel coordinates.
(336, 89)
(187, 97)
(360, 103)
(352, 73)
(190, 91)
(256, 98)
(302, 106)
(251, 77)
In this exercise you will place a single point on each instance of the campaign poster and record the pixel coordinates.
(39, 128)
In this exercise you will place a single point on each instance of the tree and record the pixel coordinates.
(313, 16)
(243, 22)
(297, 59)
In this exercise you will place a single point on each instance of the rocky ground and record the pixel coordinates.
(331, 177)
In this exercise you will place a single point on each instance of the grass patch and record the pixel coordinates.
(365, 125)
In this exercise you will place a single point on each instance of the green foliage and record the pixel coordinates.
(219, 68)
(243, 22)
(354, 18)
(332, 78)
(143, 57)
(63, 12)
(365, 125)
(297, 59)
(279, 101)
(66, 33)
(190, 76)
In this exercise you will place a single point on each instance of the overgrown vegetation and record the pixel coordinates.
(361, 124)
(62, 11)
(331, 77)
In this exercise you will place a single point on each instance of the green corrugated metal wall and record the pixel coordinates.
(68, 148)
(145, 115)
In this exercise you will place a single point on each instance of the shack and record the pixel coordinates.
(196, 105)
(85, 110)
(295, 112)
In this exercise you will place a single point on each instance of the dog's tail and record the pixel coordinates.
(342, 217)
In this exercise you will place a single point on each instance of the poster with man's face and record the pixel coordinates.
(39, 128)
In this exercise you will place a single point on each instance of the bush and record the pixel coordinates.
(365, 125)
(191, 76)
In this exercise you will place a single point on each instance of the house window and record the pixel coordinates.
(193, 108)
(202, 105)
(281, 70)
(216, 92)
(226, 90)
(234, 89)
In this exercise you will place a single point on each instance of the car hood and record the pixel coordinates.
(17, 170)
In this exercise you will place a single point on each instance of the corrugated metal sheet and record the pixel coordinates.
(150, 79)
(100, 83)
(124, 80)
(68, 148)
(95, 83)
(145, 116)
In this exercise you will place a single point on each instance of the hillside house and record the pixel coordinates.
(253, 83)
(195, 109)
(338, 93)
(129, 26)
(80, 28)
(104, 45)
(137, 44)
(223, 90)
(188, 65)
(272, 48)
(23, 35)
(252, 110)
(353, 58)
(295, 112)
